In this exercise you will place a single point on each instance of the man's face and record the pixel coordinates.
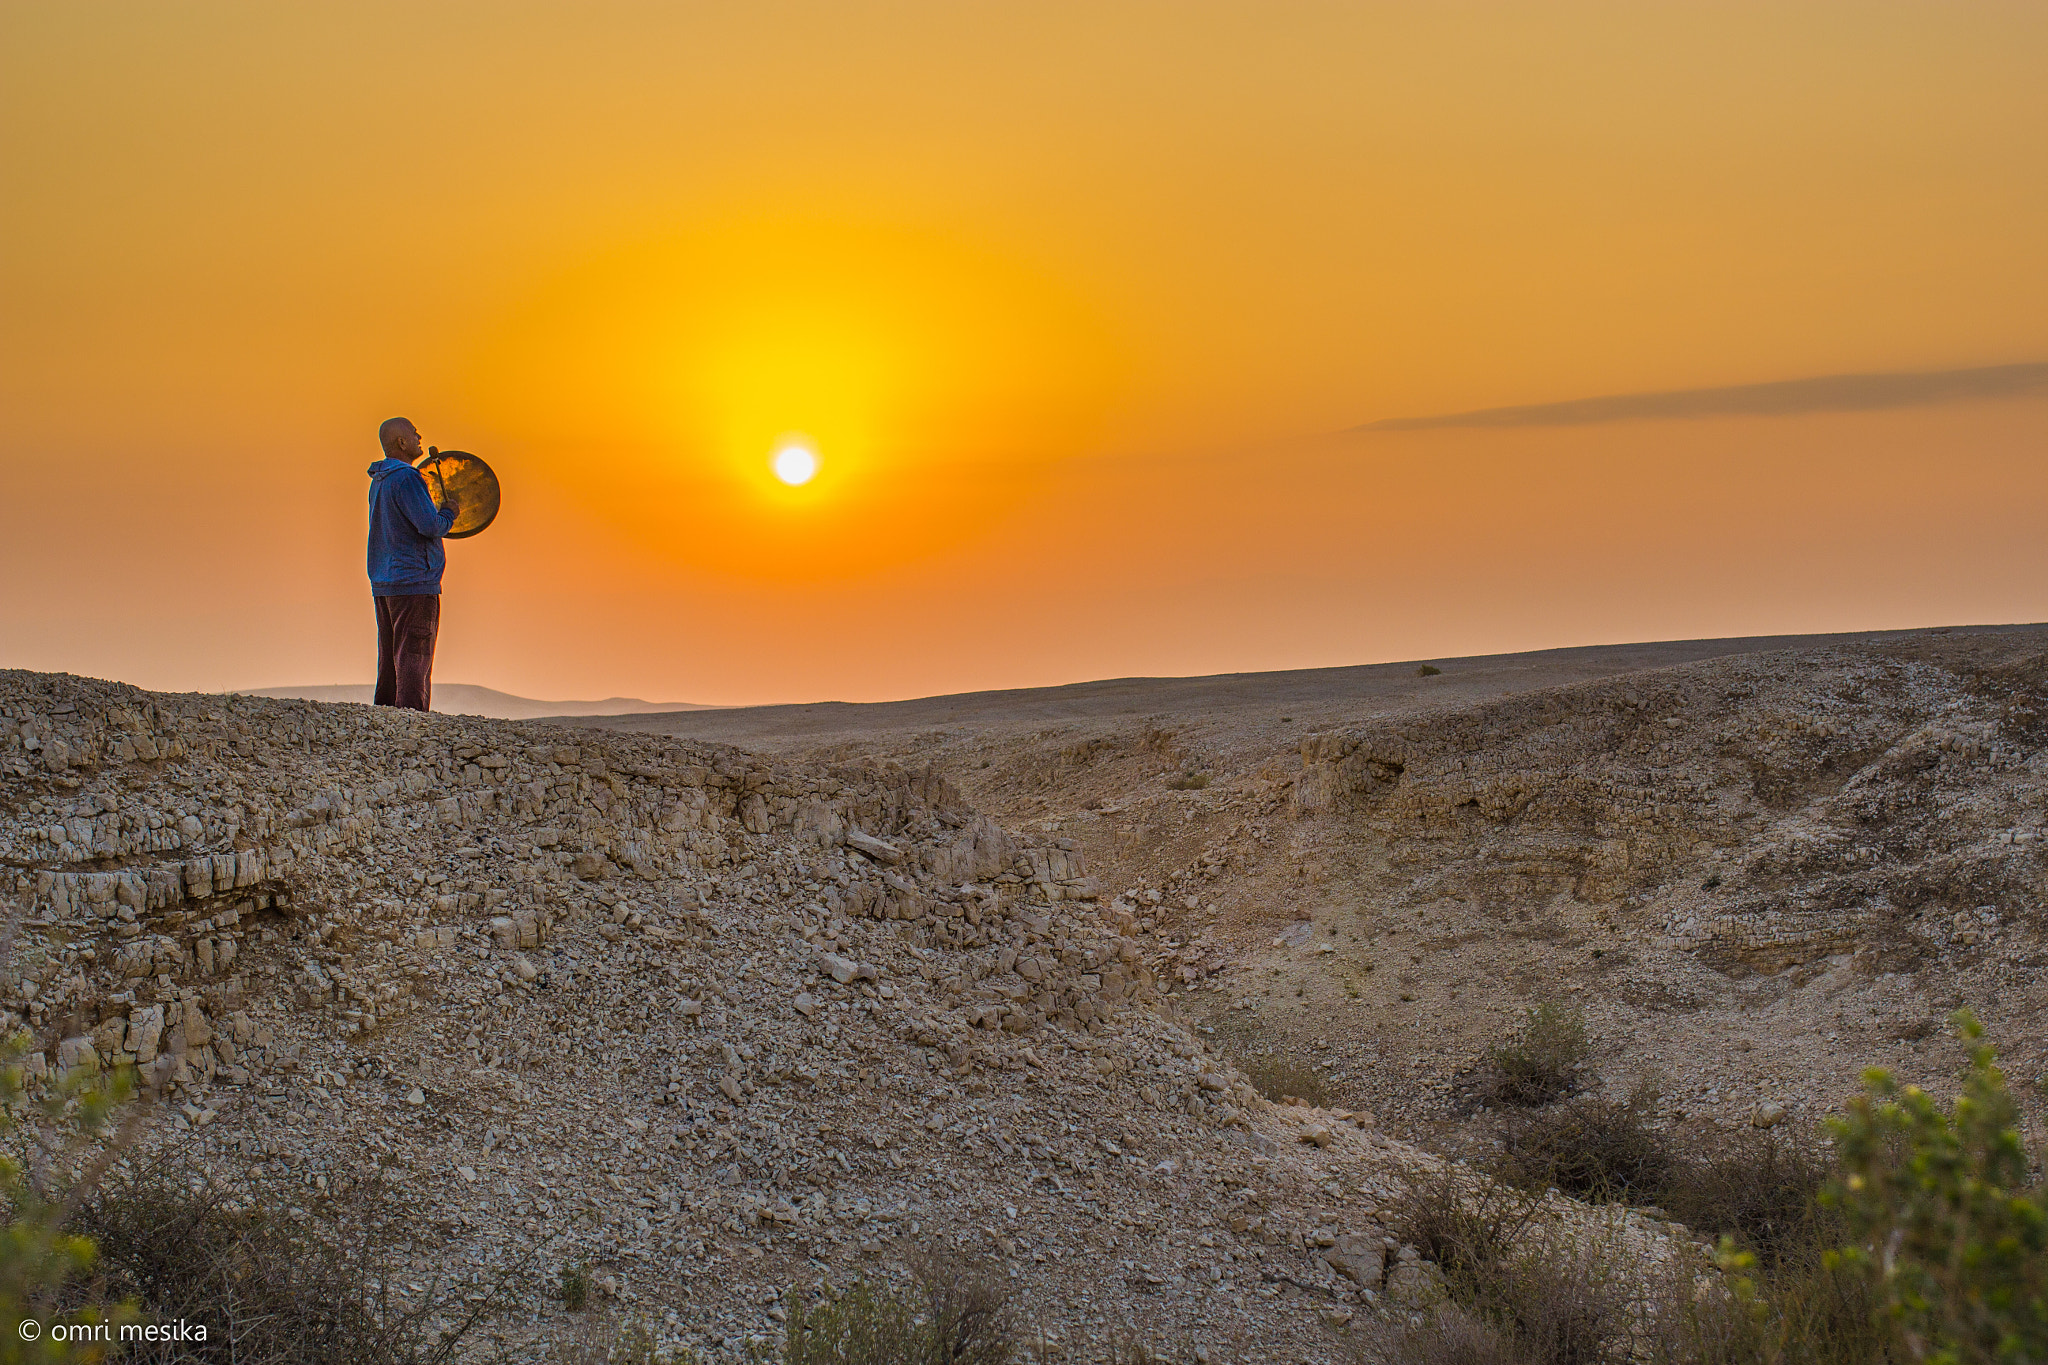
(409, 441)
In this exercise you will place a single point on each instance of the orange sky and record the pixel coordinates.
(1069, 298)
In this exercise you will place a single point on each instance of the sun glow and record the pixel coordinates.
(795, 465)
(715, 365)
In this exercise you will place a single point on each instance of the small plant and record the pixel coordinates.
(1713, 880)
(1927, 1243)
(575, 1286)
(1188, 782)
(1542, 1060)
(867, 1323)
(634, 1345)
(1943, 1220)
(1281, 1079)
(43, 1258)
(1428, 671)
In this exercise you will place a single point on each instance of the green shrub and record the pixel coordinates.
(1428, 671)
(575, 1286)
(1941, 1216)
(1926, 1243)
(1805, 1311)
(43, 1262)
(1541, 1061)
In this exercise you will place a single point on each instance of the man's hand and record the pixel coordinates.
(451, 504)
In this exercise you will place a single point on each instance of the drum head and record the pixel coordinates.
(471, 481)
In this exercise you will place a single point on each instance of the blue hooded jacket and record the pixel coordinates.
(405, 533)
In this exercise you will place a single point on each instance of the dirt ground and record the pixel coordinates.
(1758, 866)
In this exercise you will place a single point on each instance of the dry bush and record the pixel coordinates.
(1759, 1189)
(1188, 782)
(1541, 1061)
(953, 1315)
(1450, 1336)
(1467, 1227)
(1597, 1149)
(268, 1287)
(1280, 1078)
(974, 1317)
(867, 1324)
(1534, 1308)
(1126, 1347)
(609, 1341)
(1559, 1309)
(1509, 1298)
(1785, 1299)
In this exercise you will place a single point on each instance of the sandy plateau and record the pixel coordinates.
(723, 1002)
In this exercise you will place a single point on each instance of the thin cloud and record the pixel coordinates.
(1787, 398)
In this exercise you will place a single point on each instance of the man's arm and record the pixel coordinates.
(430, 521)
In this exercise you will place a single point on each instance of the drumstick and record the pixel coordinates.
(434, 459)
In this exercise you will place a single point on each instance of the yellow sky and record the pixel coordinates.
(1068, 298)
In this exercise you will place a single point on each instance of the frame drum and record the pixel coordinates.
(471, 481)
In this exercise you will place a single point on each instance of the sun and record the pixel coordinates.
(794, 465)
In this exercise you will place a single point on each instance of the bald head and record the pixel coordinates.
(400, 439)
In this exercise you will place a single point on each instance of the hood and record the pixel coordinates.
(386, 467)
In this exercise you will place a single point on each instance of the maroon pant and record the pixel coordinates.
(406, 627)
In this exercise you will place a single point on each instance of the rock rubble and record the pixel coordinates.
(714, 1026)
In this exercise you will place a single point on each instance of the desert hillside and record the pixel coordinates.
(711, 1025)
(1759, 866)
(717, 1021)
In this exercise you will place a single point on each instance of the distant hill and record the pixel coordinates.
(467, 699)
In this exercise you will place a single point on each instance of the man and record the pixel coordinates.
(405, 568)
